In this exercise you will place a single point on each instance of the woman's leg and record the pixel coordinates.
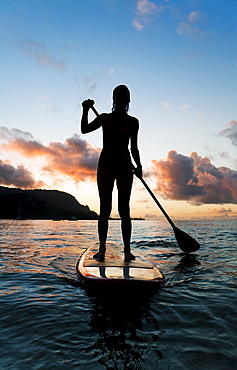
(105, 182)
(124, 184)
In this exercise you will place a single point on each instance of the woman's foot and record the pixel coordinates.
(99, 256)
(128, 257)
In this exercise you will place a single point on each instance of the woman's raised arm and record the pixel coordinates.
(85, 125)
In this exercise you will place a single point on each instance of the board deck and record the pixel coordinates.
(114, 269)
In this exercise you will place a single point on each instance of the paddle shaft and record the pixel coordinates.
(144, 183)
(157, 202)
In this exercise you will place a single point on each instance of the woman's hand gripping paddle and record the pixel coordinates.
(186, 243)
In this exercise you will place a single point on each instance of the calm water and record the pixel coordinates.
(49, 320)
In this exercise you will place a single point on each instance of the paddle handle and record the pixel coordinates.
(94, 110)
(145, 184)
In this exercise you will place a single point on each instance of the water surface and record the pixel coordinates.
(50, 320)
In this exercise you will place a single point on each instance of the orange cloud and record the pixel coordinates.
(28, 148)
(194, 179)
(75, 158)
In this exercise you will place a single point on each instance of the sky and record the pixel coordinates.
(179, 60)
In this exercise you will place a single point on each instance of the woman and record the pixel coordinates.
(119, 129)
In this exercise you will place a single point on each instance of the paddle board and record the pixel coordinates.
(114, 269)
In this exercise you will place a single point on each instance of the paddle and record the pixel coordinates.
(186, 243)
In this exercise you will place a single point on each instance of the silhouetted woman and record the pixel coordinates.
(119, 129)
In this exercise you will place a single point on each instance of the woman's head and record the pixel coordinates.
(121, 98)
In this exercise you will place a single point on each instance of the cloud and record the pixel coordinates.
(14, 133)
(137, 25)
(165, 105)
(54, 109)
(223, 155)
(184, 107)
(17, 176)
(143, 200)
(88, 84)
(146, 7)
(231, 131)
(221, 212)
(199, 115)
(194, 16)
(194, 179)
(75, 158)
(187, 26)
(150, 215)
(111, 71)
(145, 11)
(21, 142)
(40, 53)
(191, 25)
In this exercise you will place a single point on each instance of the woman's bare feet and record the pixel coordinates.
(128, 257)
(99, 256)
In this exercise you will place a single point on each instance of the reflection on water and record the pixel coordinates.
(188, 263)
(128, 334)
(51, 320)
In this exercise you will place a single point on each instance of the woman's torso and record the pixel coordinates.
(117, 131)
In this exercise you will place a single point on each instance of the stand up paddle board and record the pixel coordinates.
(114, 269)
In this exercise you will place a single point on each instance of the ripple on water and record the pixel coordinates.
(51, 320)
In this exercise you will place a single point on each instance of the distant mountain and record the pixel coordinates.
(41, 204)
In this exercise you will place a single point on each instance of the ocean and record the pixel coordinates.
(50, 320)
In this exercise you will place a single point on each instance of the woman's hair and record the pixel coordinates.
(126, 90)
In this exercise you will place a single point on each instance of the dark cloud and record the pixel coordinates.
(17, 176)
(195, 179)
(14, 133)
(88, 84)
(231, 131)
(150, 215)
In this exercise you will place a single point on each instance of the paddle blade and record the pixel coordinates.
(186, 243)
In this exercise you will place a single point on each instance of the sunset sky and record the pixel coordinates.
(179, 60)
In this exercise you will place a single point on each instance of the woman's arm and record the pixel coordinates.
(85, 125)
(135, 151)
